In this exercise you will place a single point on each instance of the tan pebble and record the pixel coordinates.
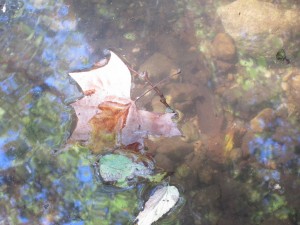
(262, 120)
(296, 82)
(287, 76)
(284, 86)
(230, 77)
(136, 50)
(267, 74)
(271, 165)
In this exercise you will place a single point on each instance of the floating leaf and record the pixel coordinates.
(163, 199)
(112, 79)
(107, 112)
(123, 169)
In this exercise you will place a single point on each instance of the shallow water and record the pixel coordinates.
(238, 161)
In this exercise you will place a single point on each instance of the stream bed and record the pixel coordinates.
(237, 97)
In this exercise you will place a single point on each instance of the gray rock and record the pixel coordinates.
(260, 28)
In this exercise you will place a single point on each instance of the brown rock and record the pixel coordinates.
(158, 65)
(168, 45)
(223, 47)
(210, 121)
(224, 66)
(263, 120)
(162, 161)
(174, 148)
(296, 84)
(248, 137)
(292, 90)
(206, 174)
(183, 95)
(207, 196)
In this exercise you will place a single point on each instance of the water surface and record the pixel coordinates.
(238, 161)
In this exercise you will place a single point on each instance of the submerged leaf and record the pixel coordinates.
(163, 199)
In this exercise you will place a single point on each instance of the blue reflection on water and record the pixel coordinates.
(5, 161)
(74, 223)
(37, 91)
(9, 85)
(63, 10)
(42, 195)
(78, 204)
(49, 56)
(270, 174)
(266, 149)
(23, 219)
(84, 174)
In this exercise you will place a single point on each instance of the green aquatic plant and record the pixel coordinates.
(281, 56)
(182, 171)
(254, 68)
(130, 36)
(105, 11)
(255, 71)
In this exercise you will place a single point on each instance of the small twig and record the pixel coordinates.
(144, 76)
(133, 71)
(155, 88)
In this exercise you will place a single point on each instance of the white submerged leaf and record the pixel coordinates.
(158, 204)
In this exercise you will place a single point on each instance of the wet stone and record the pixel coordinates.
(223, 47)
(158, 66)
(292, 90)
(208, 196)
(174, 148)
(164, 162)
(183, 95)
(248, 102)
(260, 28)
(190, 130)
(223, 66)
(183, 171)
(205, 174)
(169, 46)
